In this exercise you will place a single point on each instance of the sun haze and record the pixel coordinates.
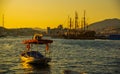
(44, 13)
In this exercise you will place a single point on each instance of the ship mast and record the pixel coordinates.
(84, 21)
(76, 20)
(70, 23)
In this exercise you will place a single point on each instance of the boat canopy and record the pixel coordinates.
(34, 41)
(37, 39)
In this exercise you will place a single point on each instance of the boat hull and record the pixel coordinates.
(32, 60)
(34, 57)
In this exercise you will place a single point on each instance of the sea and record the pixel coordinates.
(82, 56)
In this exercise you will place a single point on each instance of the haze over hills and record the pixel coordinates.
(20, 31)
(107, 24)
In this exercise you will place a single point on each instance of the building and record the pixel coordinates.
(56, 32)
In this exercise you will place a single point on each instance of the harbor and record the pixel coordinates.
(84, 31)
(59, 37)
(85, 56)
(74, 31)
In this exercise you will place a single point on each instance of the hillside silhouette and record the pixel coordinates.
(20, 31)
(107, 24)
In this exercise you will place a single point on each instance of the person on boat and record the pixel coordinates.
(47, 47)
(28, 47)
(37, 36)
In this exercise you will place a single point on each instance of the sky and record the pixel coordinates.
(51, 13)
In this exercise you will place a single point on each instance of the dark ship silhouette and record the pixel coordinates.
(75, 32)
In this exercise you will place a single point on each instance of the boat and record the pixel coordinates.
(75, 31)
(114, 37)
(79, 33)
(35, 57)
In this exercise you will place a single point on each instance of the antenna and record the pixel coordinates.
(3, 20)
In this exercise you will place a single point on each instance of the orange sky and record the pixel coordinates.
(43, 13)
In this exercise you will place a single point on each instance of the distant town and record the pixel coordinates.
(98, 30)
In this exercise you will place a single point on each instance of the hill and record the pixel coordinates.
(20, 31)
(107, 25)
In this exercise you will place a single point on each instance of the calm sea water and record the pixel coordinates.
(86, 56)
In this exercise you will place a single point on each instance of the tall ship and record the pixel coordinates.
(74, 31)
(77, 32)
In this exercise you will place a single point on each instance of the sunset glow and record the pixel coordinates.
(44, 13)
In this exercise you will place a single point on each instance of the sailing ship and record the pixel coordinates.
(79, 33)
(114, 37)
(75, 31)
(35, 57)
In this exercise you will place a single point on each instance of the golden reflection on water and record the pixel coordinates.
(26, 65)
(28, 68)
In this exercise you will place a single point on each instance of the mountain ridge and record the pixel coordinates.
(20, 31)
(109, 26)
(99, 26)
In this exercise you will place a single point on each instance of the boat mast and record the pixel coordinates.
(70, 23)
(82, 26)
(84, 21)
(76, 20)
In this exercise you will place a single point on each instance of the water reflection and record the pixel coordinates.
(36, 69)
(91, 57)
(3, 68)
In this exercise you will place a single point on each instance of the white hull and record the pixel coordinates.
(32, 60)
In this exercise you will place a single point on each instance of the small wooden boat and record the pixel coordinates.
(35, 57)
